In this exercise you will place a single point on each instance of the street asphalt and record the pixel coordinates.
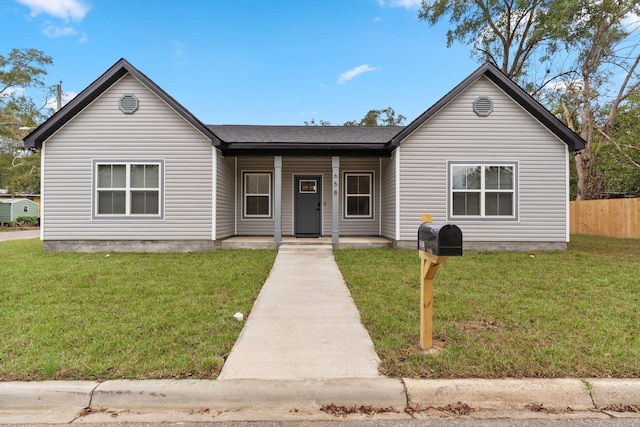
(304, 355)
(17, 235)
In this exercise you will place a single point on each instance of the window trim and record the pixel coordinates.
(128, 189)
(244, 195)
(483, 217)
(345, 195)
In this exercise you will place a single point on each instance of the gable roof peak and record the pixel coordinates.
(122, 67)
(573, 141)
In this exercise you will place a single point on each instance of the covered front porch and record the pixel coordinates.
(267, 242)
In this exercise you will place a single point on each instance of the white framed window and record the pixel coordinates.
(483, 190)
(25, 209)
(256, 194)
(128, 189)
(358, 195)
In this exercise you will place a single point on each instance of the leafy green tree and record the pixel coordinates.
(507, 33)
(619, 156)
(385, 117)
(20, 71)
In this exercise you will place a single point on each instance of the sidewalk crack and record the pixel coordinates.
(87, 409)
(406, 395)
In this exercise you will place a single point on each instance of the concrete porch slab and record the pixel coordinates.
(266, 242)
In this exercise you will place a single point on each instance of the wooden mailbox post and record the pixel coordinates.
(435, 244)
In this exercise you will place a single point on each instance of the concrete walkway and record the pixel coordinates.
(15, 235)
(303, 325)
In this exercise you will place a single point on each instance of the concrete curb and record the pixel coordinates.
(607, 391)
(503, 394)
(45, 395)
(63, 401)
(247, 393)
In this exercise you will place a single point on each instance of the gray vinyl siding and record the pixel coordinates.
(509, 134)
(253, 226)
(225, 201)
(360, 226)
(388, 197)
(102, 132)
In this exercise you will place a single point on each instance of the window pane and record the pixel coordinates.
(499, 204)
(466, 177)
(473, 177)
(491, 204)
(144, 202)
(257, 205)
(352, 184)
(263, 184)
(358, 206)
(104, 176)
(506, 177)
(505, 204)
(111, 202)
(466, 203)
(137, 176)
(257, 183)
(491, 177)
(459, 177)
(251, 184)
(119, 176)
(364, 185)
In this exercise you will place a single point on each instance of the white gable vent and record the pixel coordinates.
(483, 106)
(128, 104)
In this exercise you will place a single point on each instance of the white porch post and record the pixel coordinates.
(335, 199)
(277, 199)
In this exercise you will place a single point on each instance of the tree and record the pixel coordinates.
(20, 70)
(619, 159)
(385, 117)
(507, 33)
(517, 35)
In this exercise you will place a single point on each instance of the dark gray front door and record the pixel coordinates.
(308, 205)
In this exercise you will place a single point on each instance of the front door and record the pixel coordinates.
(308, 206)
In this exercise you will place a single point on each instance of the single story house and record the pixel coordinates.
(12, 209)
(127, 167)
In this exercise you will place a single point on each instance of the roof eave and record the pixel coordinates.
(323, 149)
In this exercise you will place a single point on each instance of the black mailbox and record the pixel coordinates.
(440, 239)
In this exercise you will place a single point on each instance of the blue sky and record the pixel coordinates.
(250, 61)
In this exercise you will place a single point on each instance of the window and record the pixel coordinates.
(482, 190)
(25, 208)
(125, 189)
(358, 195)
(257, 194)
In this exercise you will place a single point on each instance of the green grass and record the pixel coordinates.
(93, 316)
(554, 314)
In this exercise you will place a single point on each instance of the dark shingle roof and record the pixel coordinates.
(305, 134)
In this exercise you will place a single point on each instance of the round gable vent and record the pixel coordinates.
(483, 106)
(128, 104)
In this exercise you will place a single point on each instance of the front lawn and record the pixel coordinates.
(536, 314)
(106, 316)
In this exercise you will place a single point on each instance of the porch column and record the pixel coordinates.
(277, 199)
(335, 199)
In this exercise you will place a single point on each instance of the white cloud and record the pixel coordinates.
(355, 72)
(54, 31)
(69, 10)
(407, 4)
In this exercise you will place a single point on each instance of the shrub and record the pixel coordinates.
(27, 220)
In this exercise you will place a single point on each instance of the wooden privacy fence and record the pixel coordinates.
(612, 217)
